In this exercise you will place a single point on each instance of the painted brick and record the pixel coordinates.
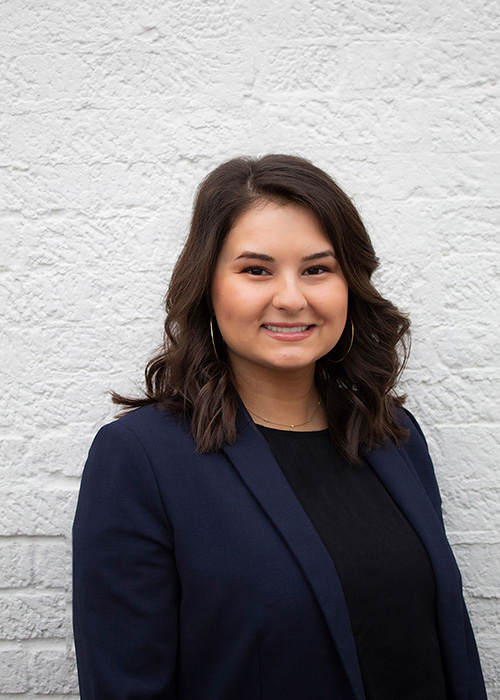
(36, 513)
(33, 616)
(46, 187)
(110, 116)
(13, 671)
(53, 672)
(52, 565)
(490, 663)
(16, 564)
(480, 566)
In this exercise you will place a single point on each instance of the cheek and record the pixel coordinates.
(334, 301)
(232, 299)
(230, 304)
(219, 294)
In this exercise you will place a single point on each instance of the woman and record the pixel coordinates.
(267, 524)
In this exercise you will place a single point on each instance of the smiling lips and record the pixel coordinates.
(287, 331)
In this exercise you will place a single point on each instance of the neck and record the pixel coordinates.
(284, 398)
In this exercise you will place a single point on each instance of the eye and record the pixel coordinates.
(315, 270)
(256, 271)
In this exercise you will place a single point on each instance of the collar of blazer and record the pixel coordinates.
(256, 465)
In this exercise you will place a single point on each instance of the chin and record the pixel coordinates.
(291, 363)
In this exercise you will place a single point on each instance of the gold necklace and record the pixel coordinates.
(286, 425)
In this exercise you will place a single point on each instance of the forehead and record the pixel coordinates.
(270, 224)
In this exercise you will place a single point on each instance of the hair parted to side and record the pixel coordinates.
(185, 375)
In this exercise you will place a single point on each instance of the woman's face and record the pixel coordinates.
(278, 292)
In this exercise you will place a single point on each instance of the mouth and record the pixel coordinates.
(286, 329)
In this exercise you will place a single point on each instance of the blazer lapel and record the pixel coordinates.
(395, 470)
(259, 470)
(257, 467)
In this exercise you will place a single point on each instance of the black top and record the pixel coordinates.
(384, 570)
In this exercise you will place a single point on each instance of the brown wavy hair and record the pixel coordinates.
(186, 377)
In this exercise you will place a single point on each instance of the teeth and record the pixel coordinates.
(281, 329)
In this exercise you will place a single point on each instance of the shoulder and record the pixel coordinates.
(147, 461)
(151, 419)
(416, 452)
(128, 457)
(119, 490)
(147, 439)
(416, 438)
(147, 425)
(415, 445)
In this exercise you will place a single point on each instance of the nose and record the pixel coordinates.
(288, 295)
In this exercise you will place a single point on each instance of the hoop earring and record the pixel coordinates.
(348, 349)
(213, 340)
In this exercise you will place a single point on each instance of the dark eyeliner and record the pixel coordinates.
(322, 268)
(255, 268)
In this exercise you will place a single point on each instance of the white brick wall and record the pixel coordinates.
(110, 114)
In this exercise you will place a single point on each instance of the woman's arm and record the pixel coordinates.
(421, 460)
(126, 589)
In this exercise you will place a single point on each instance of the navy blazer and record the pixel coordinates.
(200, 577)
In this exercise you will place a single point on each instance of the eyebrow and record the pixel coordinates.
(268, 258)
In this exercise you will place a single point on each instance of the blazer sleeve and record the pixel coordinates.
(125, 585)
(421, 460)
